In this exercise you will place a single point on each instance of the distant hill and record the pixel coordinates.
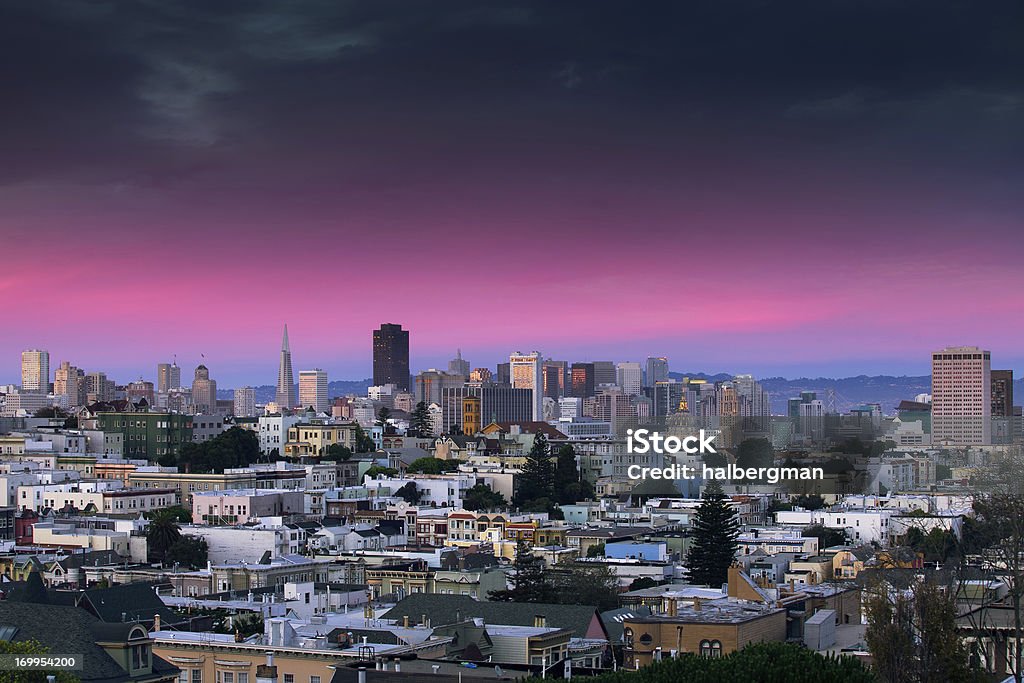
(887, 390)
(266, 392)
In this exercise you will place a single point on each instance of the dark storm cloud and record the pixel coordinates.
(154, 86)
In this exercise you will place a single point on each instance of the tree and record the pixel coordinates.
(176, 512)
(376, 471)
(337, 452)
(715, 531)
(30, 647)
(431, 465)
(596, 550)
(364, 444)
(420, 423)
(643, 582)
(912, 634)
(188, 551)
(587, 584)
(409, 493)
(529, 579)
(568, 486)
(161, 533)
(483, 497)
(535, 480)
(236, 447)
(809, 501)
(383, 415)
(50, 412)
(765, 662)
(827, 536)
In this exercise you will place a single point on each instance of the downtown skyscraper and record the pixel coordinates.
(35, 371)
(285, 397)
(391, 356)
(961, 396)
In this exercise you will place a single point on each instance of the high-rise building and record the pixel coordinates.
(285, 396)
(1002, 393)
(503, 374)
(555, 374)
(657, 371)
(391, 356)
(962, 396)
(498, 403)
(458, 366)
(35, 371)
(431, 383)
(168, 376)
(604, 373)
(313, 389)
(525, 373)
(204, 392)
(69, 381)
(245, 402)
(583, 381)
(98, 388)
(480, 375)
(630, 378)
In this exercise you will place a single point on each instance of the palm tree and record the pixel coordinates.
(163, 532)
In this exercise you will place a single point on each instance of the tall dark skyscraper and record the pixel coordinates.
(285, 397)
(583, 380)
(1002, 393)
(391, 356)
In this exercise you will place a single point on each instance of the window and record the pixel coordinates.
(197, 676)
(289, 678)
(314, 679)
(140, 656)
(710, 648)
(225, 677)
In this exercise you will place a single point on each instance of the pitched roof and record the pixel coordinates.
(451, 609)
(70, 630)
(127, 601)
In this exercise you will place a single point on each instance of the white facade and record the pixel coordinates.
(273, 431)
(247, 544)
(630, 378)
(245, 402)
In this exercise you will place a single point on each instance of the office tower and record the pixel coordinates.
(525, 373)
(630, 378)
(555, 374)
(657, 371)
(139, 390)
(604, 373)
(168, 376)
(1002, 393)
(478, 375)
(245, 402)
(582, 380)
(668, 397)
(204, 392)
(961, 396)
(613, 406)
(503, 374)
(431, 383)
(458, 366)
(69, 381)
(285, 396)
(35, 371)
(391, 356)
(313, 389)
(498, 403)
(753, 400)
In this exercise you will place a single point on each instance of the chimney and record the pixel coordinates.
(673, 607)
(267, 673)
(398, 665)
(362, 675)
(156, 622)
(540, 621)
(696, 604)
(405, 621)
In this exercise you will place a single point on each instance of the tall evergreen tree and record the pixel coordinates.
(569, 486)
(535, 481)
(714, 539)
(529, 580)
(420, 423)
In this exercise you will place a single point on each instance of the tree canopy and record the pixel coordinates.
(235, 447)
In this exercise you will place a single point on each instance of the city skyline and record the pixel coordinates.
(770, 193)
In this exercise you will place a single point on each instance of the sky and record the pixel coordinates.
(815, 187)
